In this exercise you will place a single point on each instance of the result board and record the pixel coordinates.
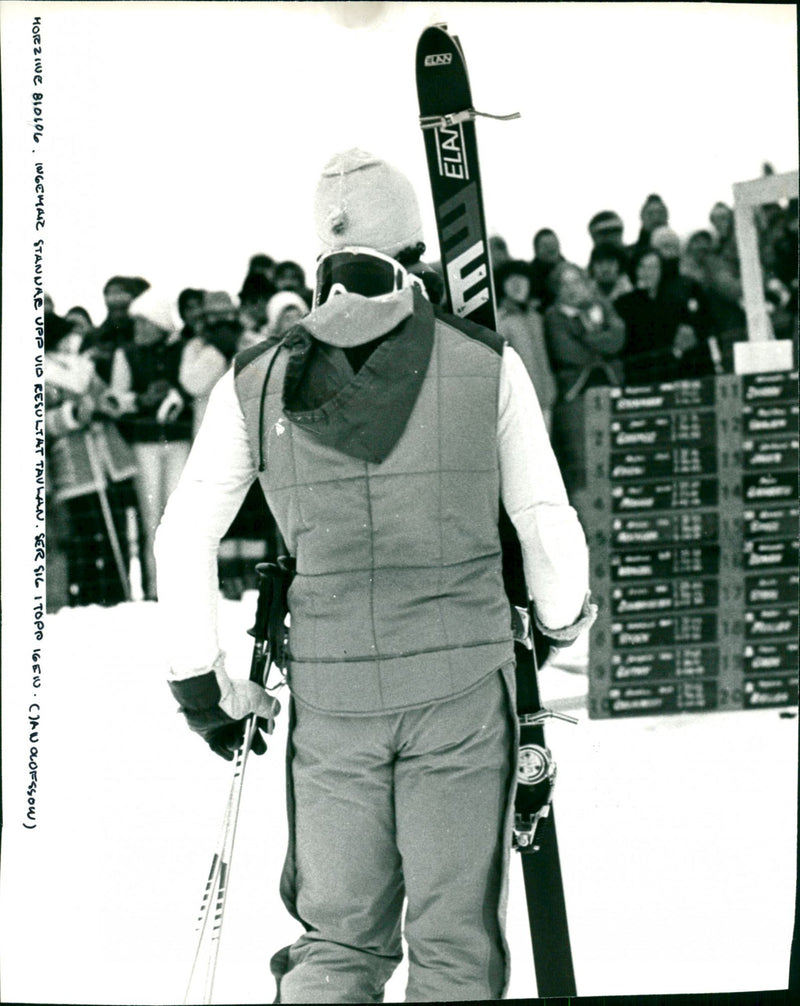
(692, 527)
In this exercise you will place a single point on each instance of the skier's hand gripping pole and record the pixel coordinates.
(270, 646)
(224, 711)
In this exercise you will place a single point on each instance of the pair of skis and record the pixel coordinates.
(447, 118)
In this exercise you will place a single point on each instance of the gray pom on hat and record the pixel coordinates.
(363, 201)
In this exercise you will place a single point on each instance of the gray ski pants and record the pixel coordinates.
(414, 805)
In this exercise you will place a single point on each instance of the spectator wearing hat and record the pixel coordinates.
(521, 324)
(155, 413)
(285, 308)
(546, 256)
(116, 329)
(208, 354)
(606, 227)
(607, 265)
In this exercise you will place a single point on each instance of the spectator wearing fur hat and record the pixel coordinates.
(383, 432)
(155, 413)
(285, 308)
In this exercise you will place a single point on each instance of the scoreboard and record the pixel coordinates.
(692, 527)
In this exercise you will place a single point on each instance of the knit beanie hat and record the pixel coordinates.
(156, 309)
(363, 201)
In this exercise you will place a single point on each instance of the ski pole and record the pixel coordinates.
(270, 615)
(100, 489)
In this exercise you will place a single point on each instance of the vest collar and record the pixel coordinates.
(361, 414)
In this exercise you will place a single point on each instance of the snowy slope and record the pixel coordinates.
(677, 837)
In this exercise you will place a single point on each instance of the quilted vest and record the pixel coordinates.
(398, 597)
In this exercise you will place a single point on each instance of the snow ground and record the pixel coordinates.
(677, 836)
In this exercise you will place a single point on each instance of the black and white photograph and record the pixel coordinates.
(472, 673)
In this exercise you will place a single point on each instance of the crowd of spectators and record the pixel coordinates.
(124, 400)
(125, 397)
(658, 309)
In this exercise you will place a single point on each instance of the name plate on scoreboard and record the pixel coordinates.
(669, 494)
(665, 563)
(772, 522)
(761, 692)
(681, 662)
(763, 623)
(694, 628)
(779, 418)
(678, 461)
(780, 387)
(662, 397)
(680, 696)
(777, 588)
(659, 529)
(770, 554)
(770, 455)
(661, 431)
(771, 658)
(770, 488)
(670, 596)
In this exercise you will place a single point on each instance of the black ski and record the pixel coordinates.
(448, 123)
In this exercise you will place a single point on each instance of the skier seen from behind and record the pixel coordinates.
(384, 435)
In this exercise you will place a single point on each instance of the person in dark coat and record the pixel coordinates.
(116, 329)
(666, 329)
(546, 256)
(654, 213)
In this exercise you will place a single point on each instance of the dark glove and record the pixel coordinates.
(217, 708)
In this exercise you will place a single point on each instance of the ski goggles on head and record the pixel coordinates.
(360, 270)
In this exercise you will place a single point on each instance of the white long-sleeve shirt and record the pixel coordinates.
(221, 468)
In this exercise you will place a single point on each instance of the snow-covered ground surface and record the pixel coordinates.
(677, 836)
